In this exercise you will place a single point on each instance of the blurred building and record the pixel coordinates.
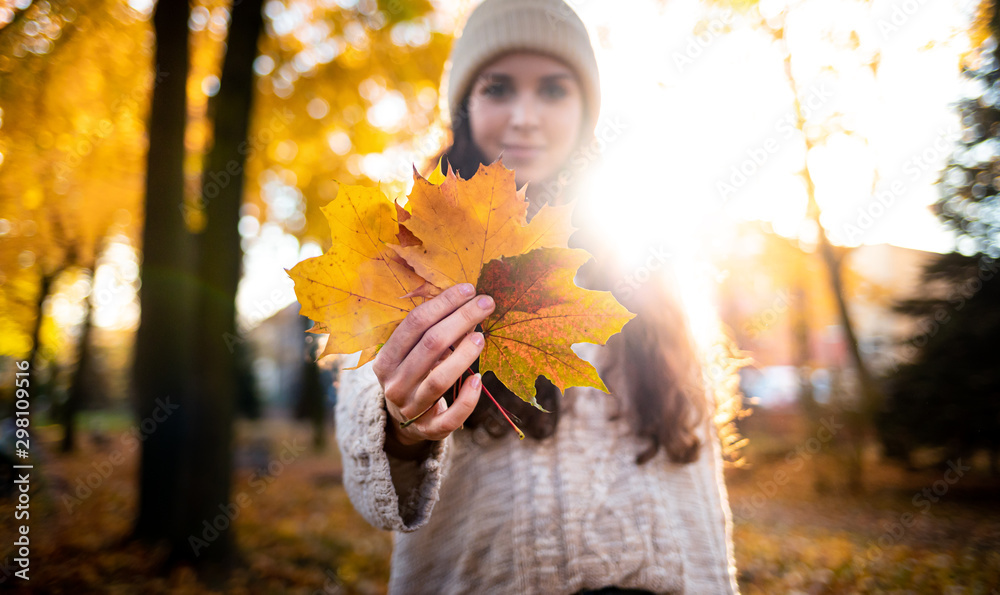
(778, 301)
(279, 351)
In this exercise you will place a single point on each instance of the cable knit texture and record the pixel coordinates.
(570, 512)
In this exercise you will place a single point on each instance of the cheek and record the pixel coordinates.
(486, 123)
(564, 127)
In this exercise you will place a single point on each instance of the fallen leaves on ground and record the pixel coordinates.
(301, 534)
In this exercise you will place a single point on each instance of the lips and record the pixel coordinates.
(522, 152)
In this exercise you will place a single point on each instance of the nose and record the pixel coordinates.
(525, 112)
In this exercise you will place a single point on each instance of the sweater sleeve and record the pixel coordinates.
(389, 493)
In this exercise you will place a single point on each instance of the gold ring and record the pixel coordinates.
(404, 424)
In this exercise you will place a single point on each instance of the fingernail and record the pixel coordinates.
(466, 289)
(477, 339)
(485, 302)
(477, 381)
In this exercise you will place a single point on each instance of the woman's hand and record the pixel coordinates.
(416, 365)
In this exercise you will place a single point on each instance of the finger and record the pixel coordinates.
(443, 424)
(446, 373)
(414, 433)
(416, 323)
(439, 405)
(437, 339)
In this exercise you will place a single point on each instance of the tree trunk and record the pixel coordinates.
(310, 402)
(219, 267)
(36, 332)
(811, 409)
(36, 339)
(78, 389)
(864, 417)
(185, 367)
(859, 420)
(163, 374)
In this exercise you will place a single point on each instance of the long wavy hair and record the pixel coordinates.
(650, 367)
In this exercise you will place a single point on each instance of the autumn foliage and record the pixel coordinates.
(386, 259)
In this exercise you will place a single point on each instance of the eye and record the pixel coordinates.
(553, 91)
(496, 90)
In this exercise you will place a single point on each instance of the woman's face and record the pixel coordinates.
(529, 107)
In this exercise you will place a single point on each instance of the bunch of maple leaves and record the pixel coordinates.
(386, 259)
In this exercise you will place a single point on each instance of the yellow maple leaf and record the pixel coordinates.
(360, 290)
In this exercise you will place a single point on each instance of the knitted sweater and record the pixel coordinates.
(570, 512)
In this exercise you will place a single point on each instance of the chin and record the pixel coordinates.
(527, 175)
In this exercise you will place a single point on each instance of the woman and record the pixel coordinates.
(620, 493)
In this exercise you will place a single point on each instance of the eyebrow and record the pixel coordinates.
(506, 78)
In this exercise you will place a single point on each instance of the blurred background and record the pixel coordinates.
(820, 175)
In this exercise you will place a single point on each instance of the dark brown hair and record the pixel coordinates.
(650, 367)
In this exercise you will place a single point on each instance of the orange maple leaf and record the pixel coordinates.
(463, 224)
(540, 312)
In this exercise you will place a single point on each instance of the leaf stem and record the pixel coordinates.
(520, 434)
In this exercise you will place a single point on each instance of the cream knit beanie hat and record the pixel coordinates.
(498, 27)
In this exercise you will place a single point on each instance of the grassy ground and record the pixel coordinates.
(300, 534)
